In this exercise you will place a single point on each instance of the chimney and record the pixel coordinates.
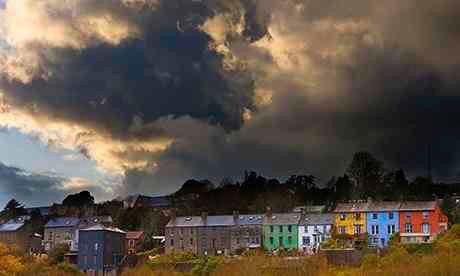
(269, 213)
(204, 217)
(236, 215)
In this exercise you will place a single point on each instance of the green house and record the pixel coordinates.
(281, 231)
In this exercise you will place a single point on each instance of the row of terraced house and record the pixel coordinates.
(415, 221)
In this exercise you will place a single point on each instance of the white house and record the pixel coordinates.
(313, 229)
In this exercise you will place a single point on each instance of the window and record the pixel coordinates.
(191, 241)
(257, 240)
(358, 216)
(213, 243)
(306, 229)
(96, 246)
(391, 229)
(374, 229)
(357, 229)
(271, 240)
(280, 241)
(408, 228)
(272, 228)
(391, 215)
(374, 216)
(342, 229)
(131, 243)
(343, 216)
(172, 242)
(306, 241)
(290, 228)
(290, 240)
(315, 229)
(426, 228)
(408, 215)
(280, 229)
(425, 215)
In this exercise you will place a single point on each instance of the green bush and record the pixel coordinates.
(56, 255)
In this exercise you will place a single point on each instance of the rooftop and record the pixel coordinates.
(382, 206)
(418, 205)
(282, 218)
(134, 235)
(100, 227)
(10, 227)
(251, 219)
(352, 207)
(317, 219)
(63, 222)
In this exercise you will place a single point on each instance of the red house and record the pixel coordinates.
(421, 221)
(134, 240)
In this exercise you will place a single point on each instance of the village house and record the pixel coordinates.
(214, 236)
(280, 231)
(314, 228)
(421, 221)
(134, 241)
(246, 233)
(101, 250)
(181, 234)
(16, 232)
(350, 218)
(63, 230)
(382, 222)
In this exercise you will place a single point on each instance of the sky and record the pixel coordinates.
(137, 96)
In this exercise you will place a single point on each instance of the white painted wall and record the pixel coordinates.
(315, 234)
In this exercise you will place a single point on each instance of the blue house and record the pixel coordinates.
(382, 222)
(101, 250)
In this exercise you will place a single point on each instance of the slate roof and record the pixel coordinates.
(384, 206)
(352, 207)
(134, 235)
(96, 219)
(418, 205)
(63, 222)
(251, 219)
(10, 227)
(220, 221)
(317, 219)
(193, 221)
(100, 227)
(282, 219)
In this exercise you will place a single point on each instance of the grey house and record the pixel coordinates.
(246, 233)
(213, 235)
(181, 234)
(61, 230)
(101, 250)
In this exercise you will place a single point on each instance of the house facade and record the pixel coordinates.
(350, 218)
(181, 234)
(101, 250)
(280, 231)
(313, 230)
(382, 222)
(134, 240)
(421, 221)
(62, 230)
(15, 233)
(214, 236)
(246, 233)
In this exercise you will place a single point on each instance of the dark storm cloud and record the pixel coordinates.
(36, 189)
(342, 76)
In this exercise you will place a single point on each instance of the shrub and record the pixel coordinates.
(56, 255)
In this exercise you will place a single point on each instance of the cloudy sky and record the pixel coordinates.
(136, 96)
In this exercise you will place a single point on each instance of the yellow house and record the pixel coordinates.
(350, 218)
